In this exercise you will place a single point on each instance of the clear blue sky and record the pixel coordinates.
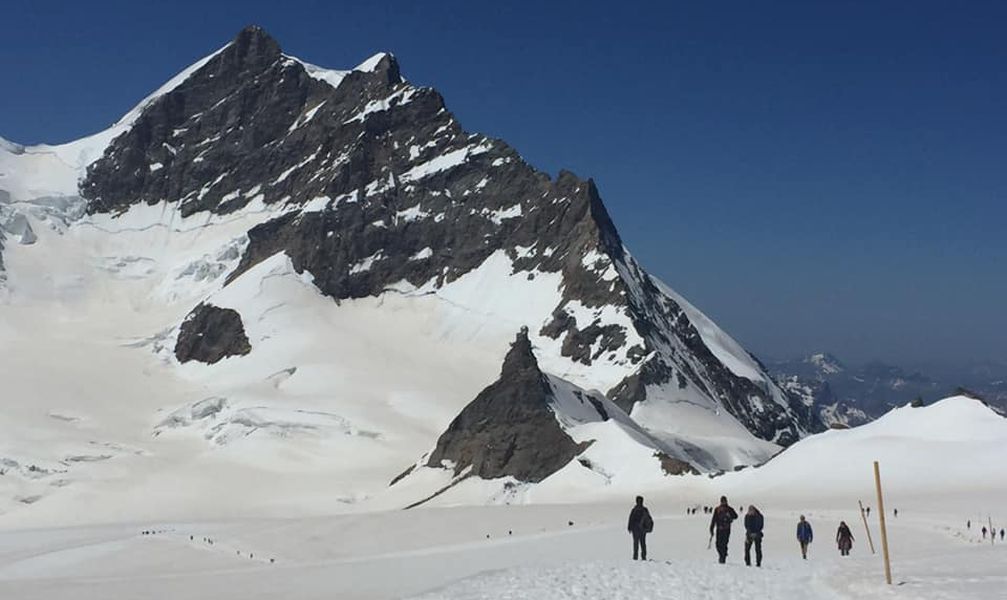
(813, 175)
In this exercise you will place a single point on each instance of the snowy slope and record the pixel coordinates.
(954, 444)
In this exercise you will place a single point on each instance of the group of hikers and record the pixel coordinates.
(641, 523)
(992, 532)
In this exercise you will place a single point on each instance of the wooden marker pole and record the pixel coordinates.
(884, 531)
(866, 528)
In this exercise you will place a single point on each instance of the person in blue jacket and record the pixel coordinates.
(804, 536)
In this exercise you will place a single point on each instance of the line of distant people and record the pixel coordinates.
(991, 532)
(723, 517)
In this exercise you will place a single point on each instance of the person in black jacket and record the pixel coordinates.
(640, 524)
(844, 538)
(720, 524)
(753, 535)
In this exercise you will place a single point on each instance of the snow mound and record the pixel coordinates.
(956, 443)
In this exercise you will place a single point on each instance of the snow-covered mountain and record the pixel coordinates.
(275, 267)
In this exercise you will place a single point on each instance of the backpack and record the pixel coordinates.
(646, 522)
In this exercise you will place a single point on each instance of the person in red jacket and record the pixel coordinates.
(720, 525)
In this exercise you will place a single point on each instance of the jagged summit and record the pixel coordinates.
(825, 362)
(251, 48)
(520, 360)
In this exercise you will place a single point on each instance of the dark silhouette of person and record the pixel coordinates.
(844, 539)
(868, 511)
(720, 525)
(896, 513)
(804, 536)
(753, 535)
(968, 524)
(984, 532)
(1001, 534)
(640, 524)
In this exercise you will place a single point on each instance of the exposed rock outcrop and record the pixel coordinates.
(210, 334)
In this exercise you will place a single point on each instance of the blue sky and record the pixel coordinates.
(813, 175)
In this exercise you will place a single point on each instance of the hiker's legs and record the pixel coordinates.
(722, 539)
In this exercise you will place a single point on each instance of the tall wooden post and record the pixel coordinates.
(884, 531)
(866, 528)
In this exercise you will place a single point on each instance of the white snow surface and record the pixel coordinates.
(551, 552)
(334, 77)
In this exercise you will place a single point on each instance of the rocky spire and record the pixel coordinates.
(509, 429)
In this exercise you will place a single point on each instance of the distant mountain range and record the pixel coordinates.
(846, 395)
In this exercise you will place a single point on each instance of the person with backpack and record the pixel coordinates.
(804, 536)
(640, 524)
(720, 525)
(753, 536)
(844, 538)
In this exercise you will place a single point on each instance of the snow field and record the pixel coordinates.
(491, 553)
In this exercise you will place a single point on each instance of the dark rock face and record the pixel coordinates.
(509, 429)
(376, 186)
(210, 334)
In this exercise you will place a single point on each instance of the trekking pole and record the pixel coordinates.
(866, 527)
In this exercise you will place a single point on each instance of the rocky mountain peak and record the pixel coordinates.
(520, 360)
(825, 362)
(251, 48)
(509, 430)
(385, 65)
(369, 185)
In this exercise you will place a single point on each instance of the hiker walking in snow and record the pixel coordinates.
(844, 538)
(968, 524)
(1001, 535)
(753, 536)
(984, 532)
(640, 524)
(720, 525)
(804, 536)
